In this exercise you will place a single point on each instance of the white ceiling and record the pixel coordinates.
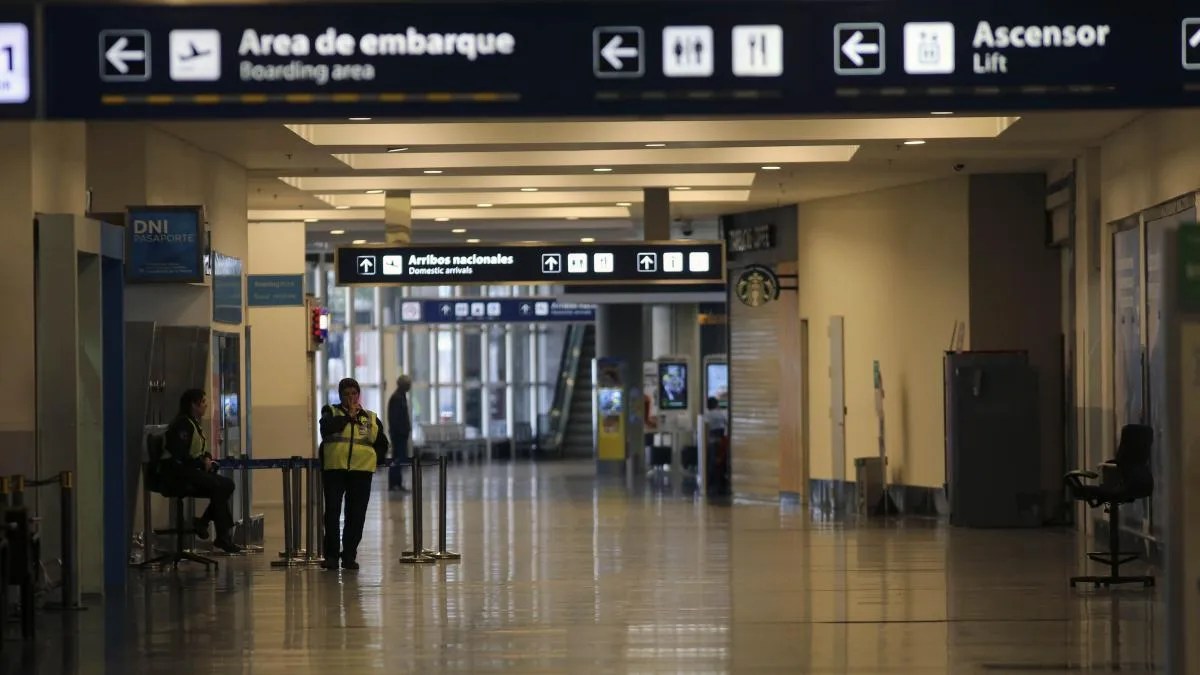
(334, 173)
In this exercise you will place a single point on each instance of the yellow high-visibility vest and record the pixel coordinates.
(354, 447)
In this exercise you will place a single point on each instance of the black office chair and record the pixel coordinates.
(1125, 479)
(159, 481)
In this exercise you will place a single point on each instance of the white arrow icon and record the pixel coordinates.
(1194, 40)
(525, 309)
(117, 55)
(613, 52)
(854, 48)
(647, 262)
(446, 309)
(366, 264)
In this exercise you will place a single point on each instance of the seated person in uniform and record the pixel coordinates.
(188, 462)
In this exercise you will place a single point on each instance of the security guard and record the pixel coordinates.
(352, 447)
(189, 463)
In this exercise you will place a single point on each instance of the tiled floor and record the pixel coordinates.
(563, 573)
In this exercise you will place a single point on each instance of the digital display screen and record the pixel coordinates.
(716, 383)
(672, 386)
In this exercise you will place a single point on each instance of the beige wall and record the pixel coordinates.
(281, 396)
(894, 264)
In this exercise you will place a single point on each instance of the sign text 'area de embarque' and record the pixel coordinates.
(682, 262)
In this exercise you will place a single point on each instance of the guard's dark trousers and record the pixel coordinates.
(218, 489)
(355, 487)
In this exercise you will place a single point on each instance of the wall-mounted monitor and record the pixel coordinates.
(672, 385)
(716, 383)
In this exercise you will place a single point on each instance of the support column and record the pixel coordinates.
(397, 216)
(656, 214)
(619, 330)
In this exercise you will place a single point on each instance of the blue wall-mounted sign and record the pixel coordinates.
(227, 288)
(494, 310)
(594, 57)
(275, 290)
(164, 244)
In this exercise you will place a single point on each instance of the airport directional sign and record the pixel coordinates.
(598, 57)
(625, 263)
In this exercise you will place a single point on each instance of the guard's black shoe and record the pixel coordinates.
(200, 526)
(349, 565)
(227, 546)
(330, 564)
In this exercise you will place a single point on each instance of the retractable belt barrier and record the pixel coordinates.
(21, 545)
(419, 554)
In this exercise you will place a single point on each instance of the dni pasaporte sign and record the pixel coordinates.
(164, 244)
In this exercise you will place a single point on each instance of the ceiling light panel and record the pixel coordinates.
(544, 198)
(451, 134)
(600, 161)
(588, 181)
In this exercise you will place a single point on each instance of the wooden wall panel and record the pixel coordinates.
(754, 398)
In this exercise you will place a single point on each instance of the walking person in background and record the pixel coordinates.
(353, 446)
(400, 422)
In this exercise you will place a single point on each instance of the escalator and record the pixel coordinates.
(567, 432)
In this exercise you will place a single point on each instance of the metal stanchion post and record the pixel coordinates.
(319, 491)
(285, 556)
(418, 554)
(18, 490)
(310, 512)
(442, 553)
(5, 496)
(297, 503)
(246, 519)
(70, 590)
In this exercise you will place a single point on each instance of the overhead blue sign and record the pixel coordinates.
(164, 244)
(227, 288)
(275, 290)
(656, 57)
(494, 310)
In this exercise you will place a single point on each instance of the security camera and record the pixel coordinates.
(959, 167)
(687, 230)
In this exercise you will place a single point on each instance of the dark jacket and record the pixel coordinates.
(178, 442)
(400, 422)
(334, 424)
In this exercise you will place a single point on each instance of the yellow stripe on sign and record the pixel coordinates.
(393, 98)
(113, 99)
(487, 96)
(299, 98)
(160, 99)
(439, 97)
(253, 98)
(206, 99)
(345, 98)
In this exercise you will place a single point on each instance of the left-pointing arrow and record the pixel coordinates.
(119, 56)
(854, 48)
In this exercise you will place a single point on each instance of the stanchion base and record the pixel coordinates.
(446, 555)
(289, 562)
(419, 559)
(424, 551)
(252, 548)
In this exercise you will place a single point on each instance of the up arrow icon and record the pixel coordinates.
(366, 264)
(647, 262)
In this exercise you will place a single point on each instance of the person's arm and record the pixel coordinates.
(331, 424)
(381, 443)
(178, 442)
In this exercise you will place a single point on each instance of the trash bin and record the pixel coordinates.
(868, 483)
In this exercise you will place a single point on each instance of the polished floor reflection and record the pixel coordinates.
(564, 573)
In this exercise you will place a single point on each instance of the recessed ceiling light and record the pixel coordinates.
(941, 112)
(624, 204)
(656, 145)
(433, 171)
(472, 241)
(343, 207)
(683, 187)
(442, 220)
(337, 232)
(484, 206)
(359, 241)
(601, 169)
(396, 149)
(459, 230)
(529, 189)
(310, 220)
(770, 168)
(374, 192)
(360, 119)
(586, 240)
(914, 142)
